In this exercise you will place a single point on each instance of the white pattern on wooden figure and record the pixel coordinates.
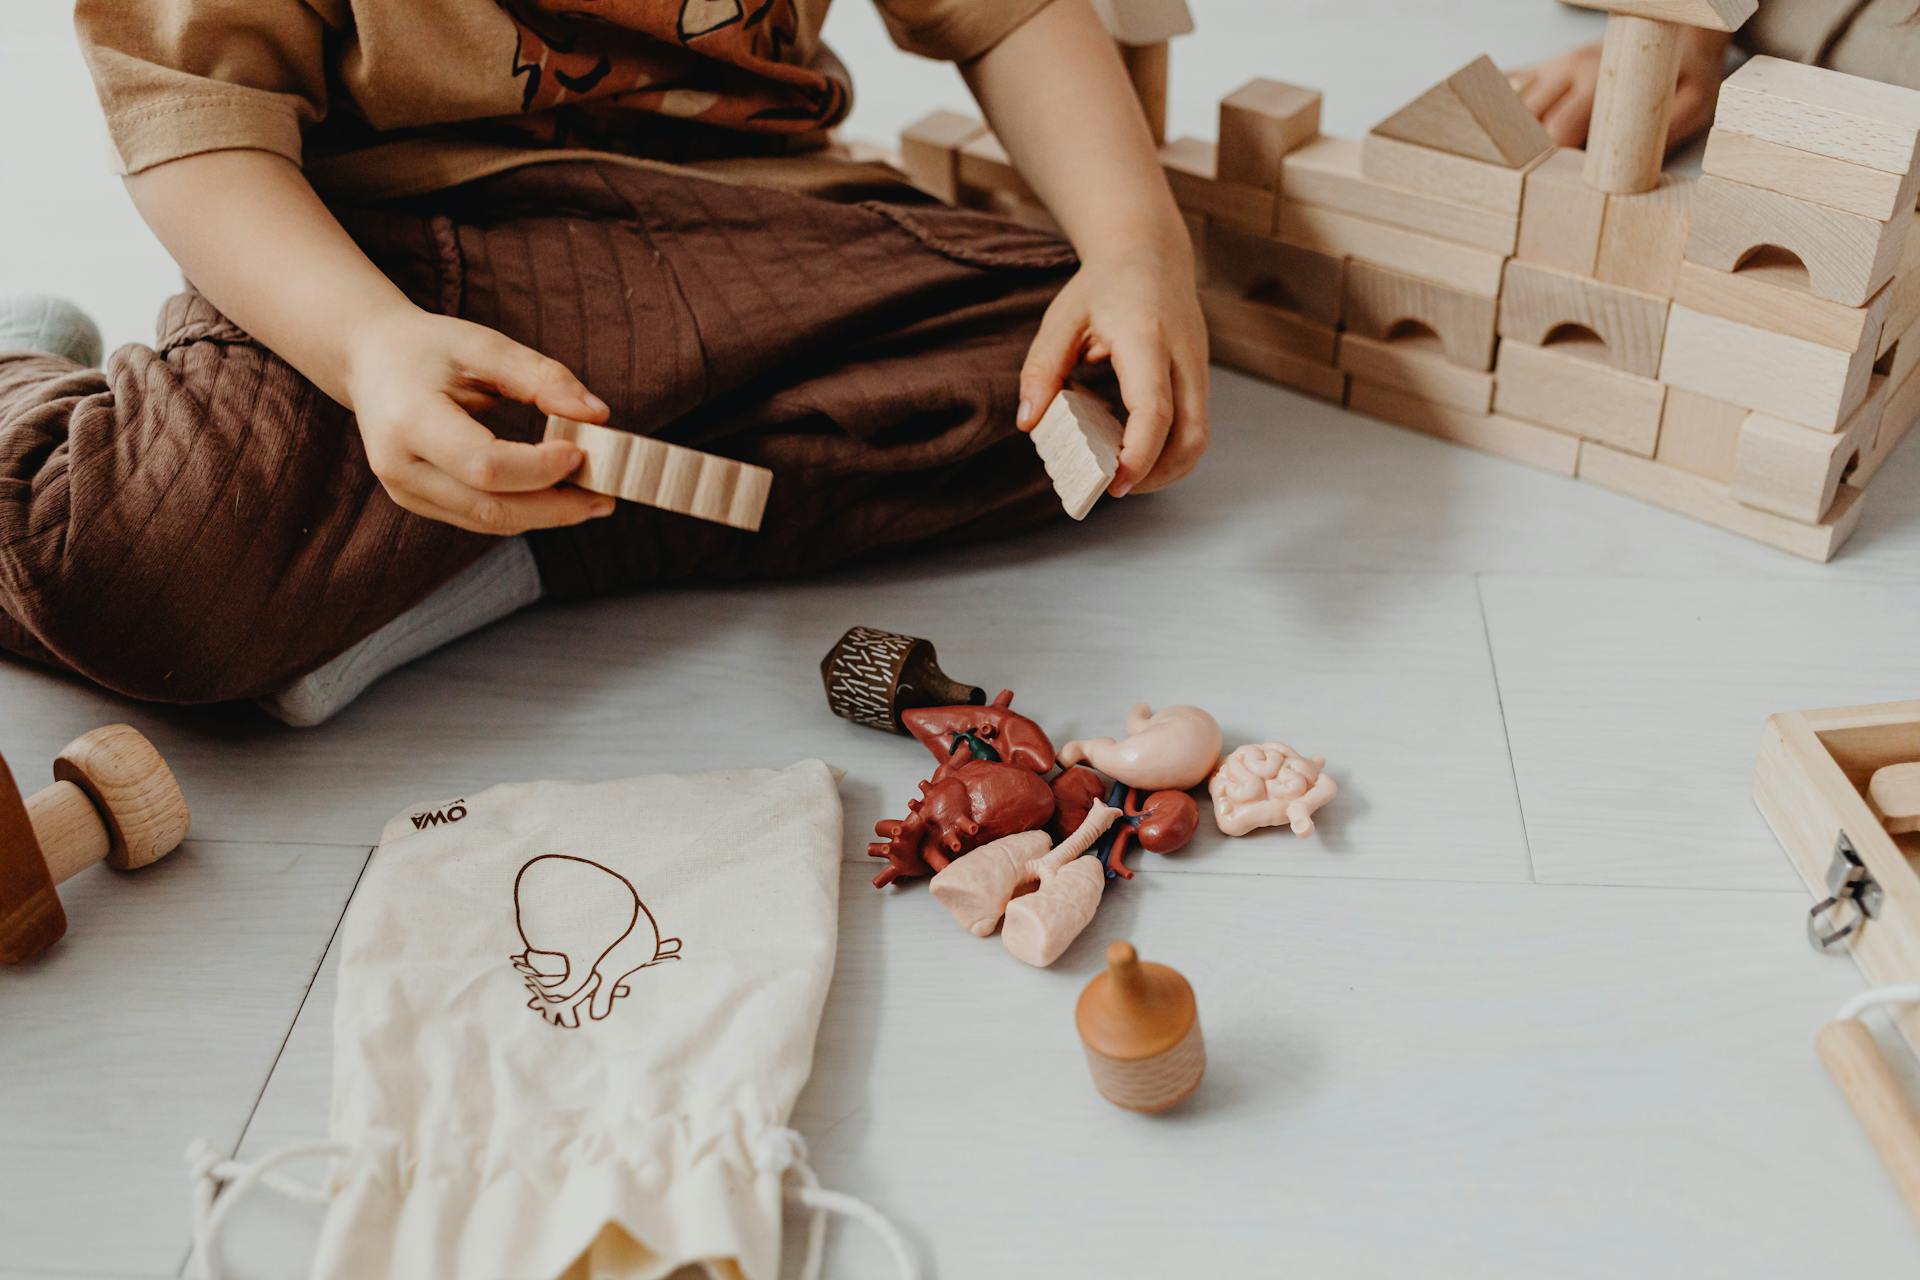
(1787, 377)
(1260, 122)
(1847, 257)
(1578, 394)
(1326, 172)
(671, 477)
(1474, 113)
(1537, 301)
(1079, 441)
(1826, 112)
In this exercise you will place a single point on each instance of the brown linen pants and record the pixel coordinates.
(198, 523)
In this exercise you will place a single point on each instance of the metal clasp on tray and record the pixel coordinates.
(1853, 898)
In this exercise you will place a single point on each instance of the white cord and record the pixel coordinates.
(1878, 997)
(782, 1151)
(213, 1202)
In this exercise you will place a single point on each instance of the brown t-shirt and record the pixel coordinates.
(395, 97)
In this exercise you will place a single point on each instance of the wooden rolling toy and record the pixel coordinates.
(1141, 1030)
(668, 476)
(113, 799)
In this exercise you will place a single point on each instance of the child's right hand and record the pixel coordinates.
(1560, 91)
(414, 380)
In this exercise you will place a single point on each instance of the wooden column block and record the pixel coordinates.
(1146, 66)
(1473, 113)
(1257, 266)
(1311, 376)
(1854, 188)
(1078, 439)
(1537, 446)
(1443, 174)
(1699, 434)
(1191, 168)
(1260, 122)
(1767, 295)
(1385, 305)
(1580, 396)
(1458, 266)
(1418, 367)
(1796, 471)
(1847, 257)
(1326, 172)
(985, 167)
(1627, 140)
(1644, 236)
(1561, 217)
(1702, 499)
(1243, 320)
(930, 152)
(1139, 22)
(668, 476)
(1825, 112)
(1537, 302)
(1787, 377)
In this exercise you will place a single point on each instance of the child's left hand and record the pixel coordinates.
(1138, 309)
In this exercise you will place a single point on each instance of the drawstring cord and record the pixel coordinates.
(1878, 997)
(220, 1184)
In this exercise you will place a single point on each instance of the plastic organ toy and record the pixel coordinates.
(1169, 750)
(991, 881)
(1266, 784)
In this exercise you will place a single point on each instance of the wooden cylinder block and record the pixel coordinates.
(1890, 1121)
(1141, 1030)
(1627, 142)
(72, 837)
(1147, 67)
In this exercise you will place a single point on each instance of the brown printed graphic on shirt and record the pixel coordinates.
(585, 932)
(728, 63)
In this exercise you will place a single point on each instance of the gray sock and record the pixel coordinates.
(499, 583)
(48, 326)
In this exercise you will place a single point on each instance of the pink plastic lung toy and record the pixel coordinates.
(1265, 784)
(1169, 750)
(982, 885)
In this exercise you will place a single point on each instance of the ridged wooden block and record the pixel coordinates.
(671, 477)
(1079, 443)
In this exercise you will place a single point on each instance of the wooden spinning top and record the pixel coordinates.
(113, 798)
(872, 676)
(1141, 1030)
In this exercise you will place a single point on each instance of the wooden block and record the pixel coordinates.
(668, 476)
(1644, 237)
(1765, 294)
(1787, 377)
(930, 152)
(1561, 217)
(1537, 303)
(1839, 116)
(1541, 447)
(1854, 188)
(1578, 395)
(1310, 376)
(1895, 792)
(1079, 442)
(1190, 167)
(1418, 367)
(1712, 15)
(1330, 231)
(1260, 122)
(1142, 22)
(1279, 274)
(1443, 174)
(1687, 494)
(1473, 113)
(1904, 312)
(1896, 420)
(1147, 68)
(1699, 434)
(1245, 320)
(1326, 172)
(1796, 471)
(1847, 257)
(1900, 357)
(985, 167)
(1387, 305)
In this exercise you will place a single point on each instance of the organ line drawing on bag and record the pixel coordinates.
(580, 923)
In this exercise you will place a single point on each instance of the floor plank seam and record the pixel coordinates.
(1506, 733)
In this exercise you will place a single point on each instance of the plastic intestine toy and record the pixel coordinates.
(1267, 784)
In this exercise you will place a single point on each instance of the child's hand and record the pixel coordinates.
(1139, 310)
(1560, 91)
(414, 382)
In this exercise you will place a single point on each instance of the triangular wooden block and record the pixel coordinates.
(1714, 15)
(1474, 113)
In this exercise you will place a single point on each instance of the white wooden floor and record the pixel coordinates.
(1534, 1003)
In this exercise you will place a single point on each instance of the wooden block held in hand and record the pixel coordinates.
(1245, 320)
(1700, 434)
(1787, 377)
(1473, 113)
(1796, 471)
(1254, 265)
(930, 152)
(1644, 236)
(1456, 265)
(1578, 395)
(1386, 305)
(1443, 174)
(1079, 441)
(1190, 165)
(1847, 257)
(1826, 112)
(1418, 367)
(1561, 217)
(668, 476)
(1854, 188)
(1772, 297)
(1537, 446)
(1260, 122)
(1326, 172)
(1537, 302)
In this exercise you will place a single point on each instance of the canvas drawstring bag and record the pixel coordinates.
(572, 1023)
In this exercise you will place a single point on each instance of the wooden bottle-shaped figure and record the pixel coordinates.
(873, 675)
(1141, 1030)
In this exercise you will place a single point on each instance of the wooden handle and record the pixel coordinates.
(1890, 1121)
(72, 837)
(1627, 142)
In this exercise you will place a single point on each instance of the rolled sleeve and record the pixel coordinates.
(181, 77)
(954, 30)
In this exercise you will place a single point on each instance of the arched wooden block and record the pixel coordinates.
(1380, 304)
(1847, 256)
(1537, 304)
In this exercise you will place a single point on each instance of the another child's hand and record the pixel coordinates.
(1560, 91)
(1137, 309)
(415, 380)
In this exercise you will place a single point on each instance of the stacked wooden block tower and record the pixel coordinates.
(1743, 349)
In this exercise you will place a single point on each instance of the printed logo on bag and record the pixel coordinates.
(585, 931)
(434, 817)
